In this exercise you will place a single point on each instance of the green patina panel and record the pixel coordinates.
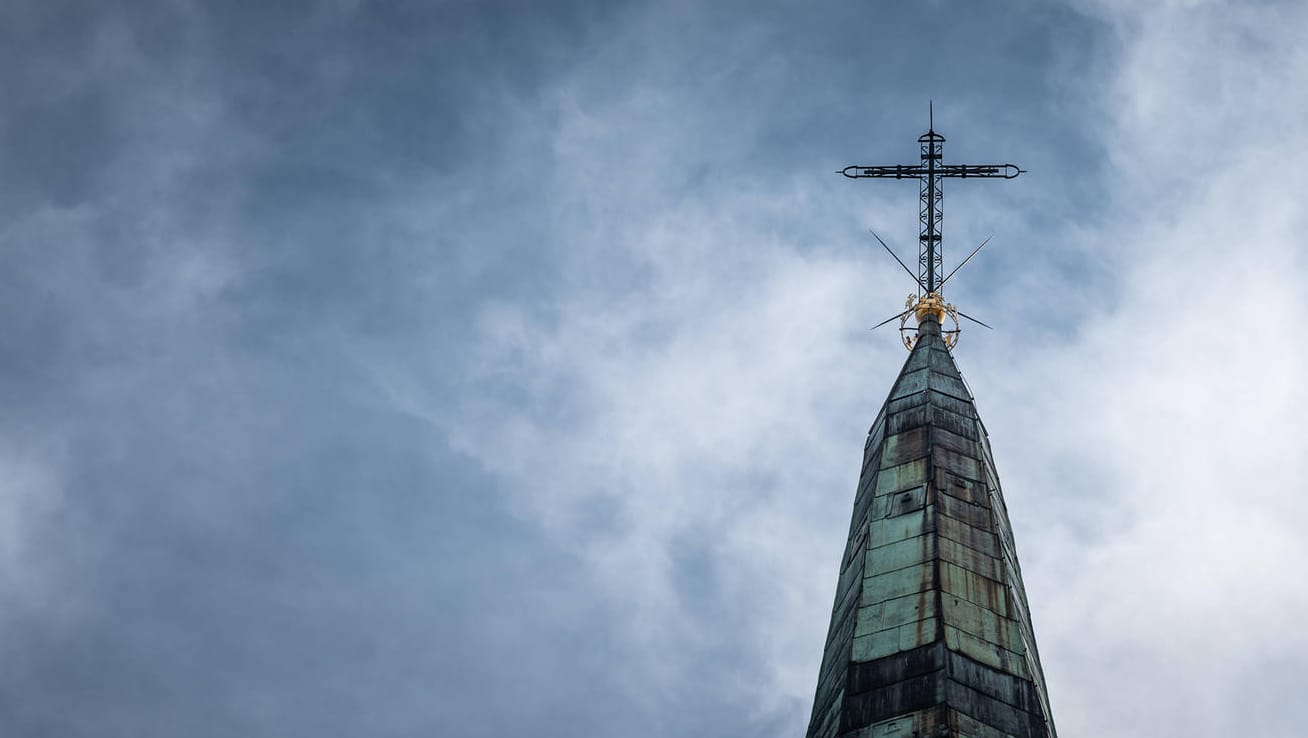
(894, 613)
(982, 623)
(894, 640)
(886, 531)
(901, 477)
(899, 583)
(899, 503)
(985, 652)
(901, 554)
(971, 586)
(969, 558)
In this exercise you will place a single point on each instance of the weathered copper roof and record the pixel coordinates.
(930, 634)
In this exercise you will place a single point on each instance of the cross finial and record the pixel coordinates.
(930, 173)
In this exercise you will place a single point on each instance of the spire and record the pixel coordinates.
(930, 634)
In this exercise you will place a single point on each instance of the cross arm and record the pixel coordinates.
(1001, 171)
(962, 171)
(896, 171)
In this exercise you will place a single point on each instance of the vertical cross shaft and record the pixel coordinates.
(930, 257)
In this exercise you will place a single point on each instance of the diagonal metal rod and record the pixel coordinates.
(901, 262)
(969, 258)
(961, 314)
(893, 317)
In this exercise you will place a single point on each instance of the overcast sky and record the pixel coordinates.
(502, 368)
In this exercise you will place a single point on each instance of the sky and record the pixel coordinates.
(500, 368)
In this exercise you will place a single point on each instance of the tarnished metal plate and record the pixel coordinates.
(984, 651)
(899, 503)
(899, 583)
(894, 613)
(980, 539)
(982, 623)
(900, 477)
(952, 386)
(913, 417)
(968, 558)
(969, 490)
(953, 461)
(942, 363)
(955, 581)
(901, 554)
(960, 509)
(965, 726)
(903, 447)
(894, 640)
(961, 407)
(910, 384)
(941, 436)
(885, 531)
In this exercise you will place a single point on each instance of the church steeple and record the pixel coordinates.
(930, 634)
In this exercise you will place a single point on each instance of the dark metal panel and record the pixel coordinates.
(870, 675)
(958, 405)
(966, 726)
(986, 652)
(941, 362)
(999, 685)
(942, 435)
(960, 464)
(961, 509)
(952, 386)
(911, 383)
(980, 539)
(889, 700)
(905, 446)
(993, 712)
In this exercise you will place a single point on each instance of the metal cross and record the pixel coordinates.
(929, 174)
